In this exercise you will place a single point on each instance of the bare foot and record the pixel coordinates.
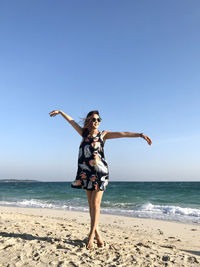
(99, 240)
(90, 245)
(100, 244)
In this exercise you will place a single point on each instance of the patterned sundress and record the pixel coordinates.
(92, 173)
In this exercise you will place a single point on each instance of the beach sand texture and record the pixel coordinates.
(46, 237)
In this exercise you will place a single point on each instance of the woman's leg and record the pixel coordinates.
(97, 234)
(89, 196)
(94, 200)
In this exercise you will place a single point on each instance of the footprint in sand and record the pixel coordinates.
(192, 259)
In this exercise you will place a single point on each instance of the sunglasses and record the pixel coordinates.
(96, 119)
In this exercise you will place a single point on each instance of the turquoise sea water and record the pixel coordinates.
(179, 201)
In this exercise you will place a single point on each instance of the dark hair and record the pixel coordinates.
(87, 122)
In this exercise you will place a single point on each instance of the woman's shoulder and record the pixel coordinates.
(102, 134)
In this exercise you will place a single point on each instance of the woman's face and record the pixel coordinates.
(95, 123)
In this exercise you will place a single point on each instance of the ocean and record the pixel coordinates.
(175, 201)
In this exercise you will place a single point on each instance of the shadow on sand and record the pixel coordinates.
(75, 242)
(194, 252)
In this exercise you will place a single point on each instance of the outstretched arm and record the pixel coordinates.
(111, 135)
(75, 125)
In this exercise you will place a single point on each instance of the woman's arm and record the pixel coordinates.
(112, 135)
(69, 119)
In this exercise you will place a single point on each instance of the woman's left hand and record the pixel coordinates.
(148, 139)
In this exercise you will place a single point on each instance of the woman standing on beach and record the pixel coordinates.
(92, 174)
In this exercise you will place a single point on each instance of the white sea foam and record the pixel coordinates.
(147, 210)
(34, 203)
(170, 210)
(164, 212)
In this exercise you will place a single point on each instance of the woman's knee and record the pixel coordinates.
(96, 200)
(90, 206)
(95, 204)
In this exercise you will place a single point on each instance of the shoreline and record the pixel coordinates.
(84, 216)
(102, 213)
(50, 237)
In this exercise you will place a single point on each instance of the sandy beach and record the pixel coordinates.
(47, 237)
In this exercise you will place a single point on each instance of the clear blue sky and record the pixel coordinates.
(137, 62)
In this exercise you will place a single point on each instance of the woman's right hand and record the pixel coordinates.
(69, 119)
(54, 113)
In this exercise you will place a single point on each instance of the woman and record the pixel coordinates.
(92, 174)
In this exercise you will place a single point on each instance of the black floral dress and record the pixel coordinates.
(92, 171)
